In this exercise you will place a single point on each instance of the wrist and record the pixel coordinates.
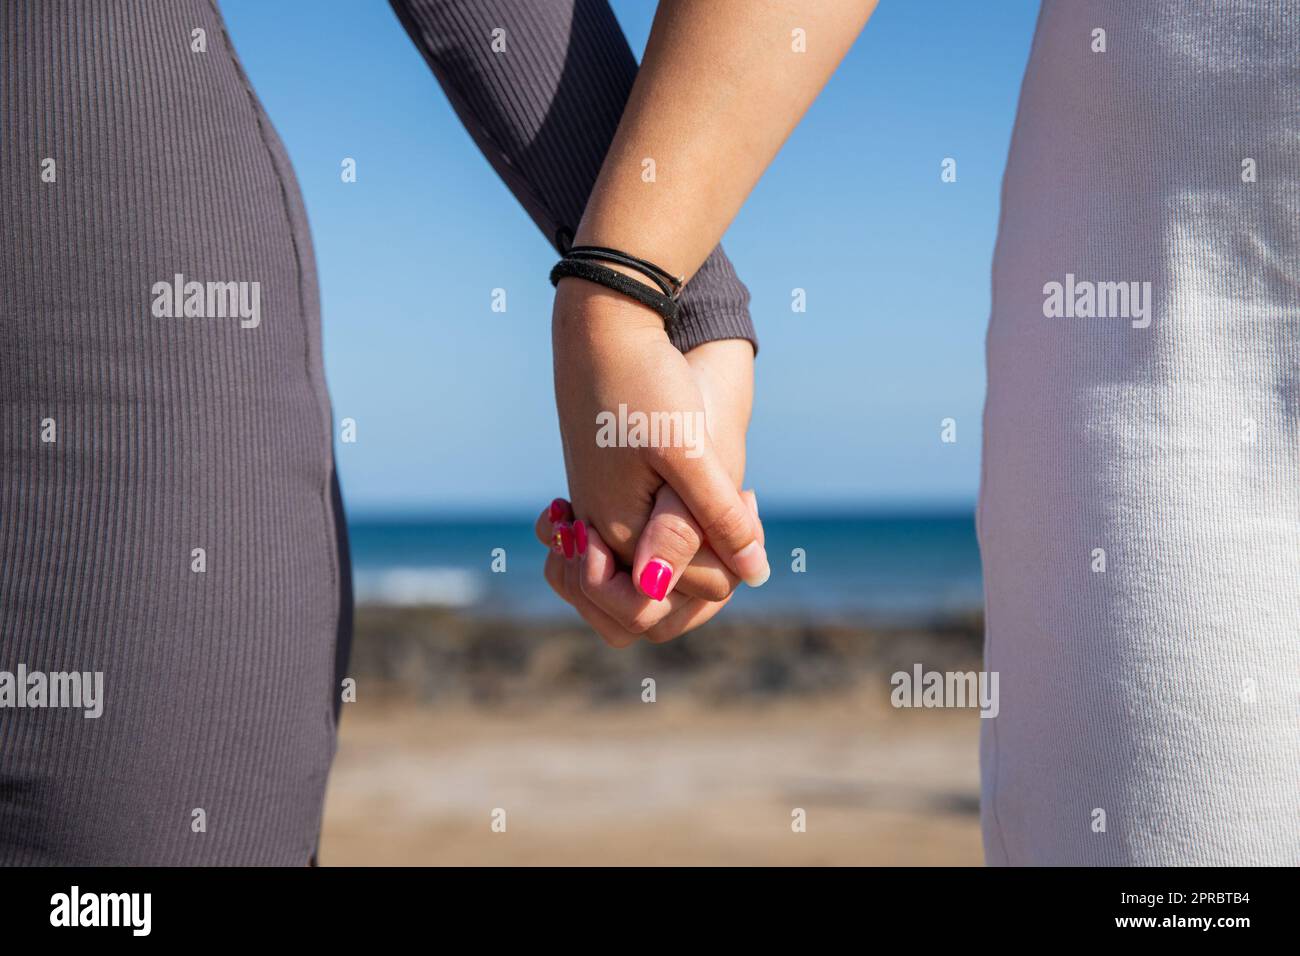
(585, 308)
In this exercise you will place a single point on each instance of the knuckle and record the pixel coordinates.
(661, 634)
(660, 453)
(614, 640)
(642, 621)
(707, 585)
(729, 524)
(674, 536)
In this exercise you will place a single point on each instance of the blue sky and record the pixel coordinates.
(453, 401)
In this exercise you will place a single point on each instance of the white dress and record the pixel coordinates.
(1140, 501)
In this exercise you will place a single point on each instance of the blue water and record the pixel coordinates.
(858, 565)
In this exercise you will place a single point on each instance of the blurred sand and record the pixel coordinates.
(651, 784)
(457, 715)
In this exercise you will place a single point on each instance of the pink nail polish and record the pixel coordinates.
(564, 538)
(580, 536)
(560, 511)
(655, 578)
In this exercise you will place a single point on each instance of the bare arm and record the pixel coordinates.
(542, 99)
(721, 87)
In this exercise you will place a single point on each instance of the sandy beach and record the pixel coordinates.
(456, 719)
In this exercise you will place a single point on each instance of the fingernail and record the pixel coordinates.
(564, 539)
(560, 511)
(557, 537)
(751, 562)
(580, 536)
(655, 578)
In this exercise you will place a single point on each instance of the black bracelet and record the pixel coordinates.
(669, 283)
(581, 268)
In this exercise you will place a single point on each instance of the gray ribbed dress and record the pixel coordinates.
(168, 510)
(1140, 509)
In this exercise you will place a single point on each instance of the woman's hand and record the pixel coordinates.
(615, 365)
(584, 572)
(612, 352)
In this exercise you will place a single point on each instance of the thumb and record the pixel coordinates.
(729, 524)
(668, 543)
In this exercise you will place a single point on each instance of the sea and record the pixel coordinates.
(851, 566)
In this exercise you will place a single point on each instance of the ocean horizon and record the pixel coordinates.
(857, 564)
